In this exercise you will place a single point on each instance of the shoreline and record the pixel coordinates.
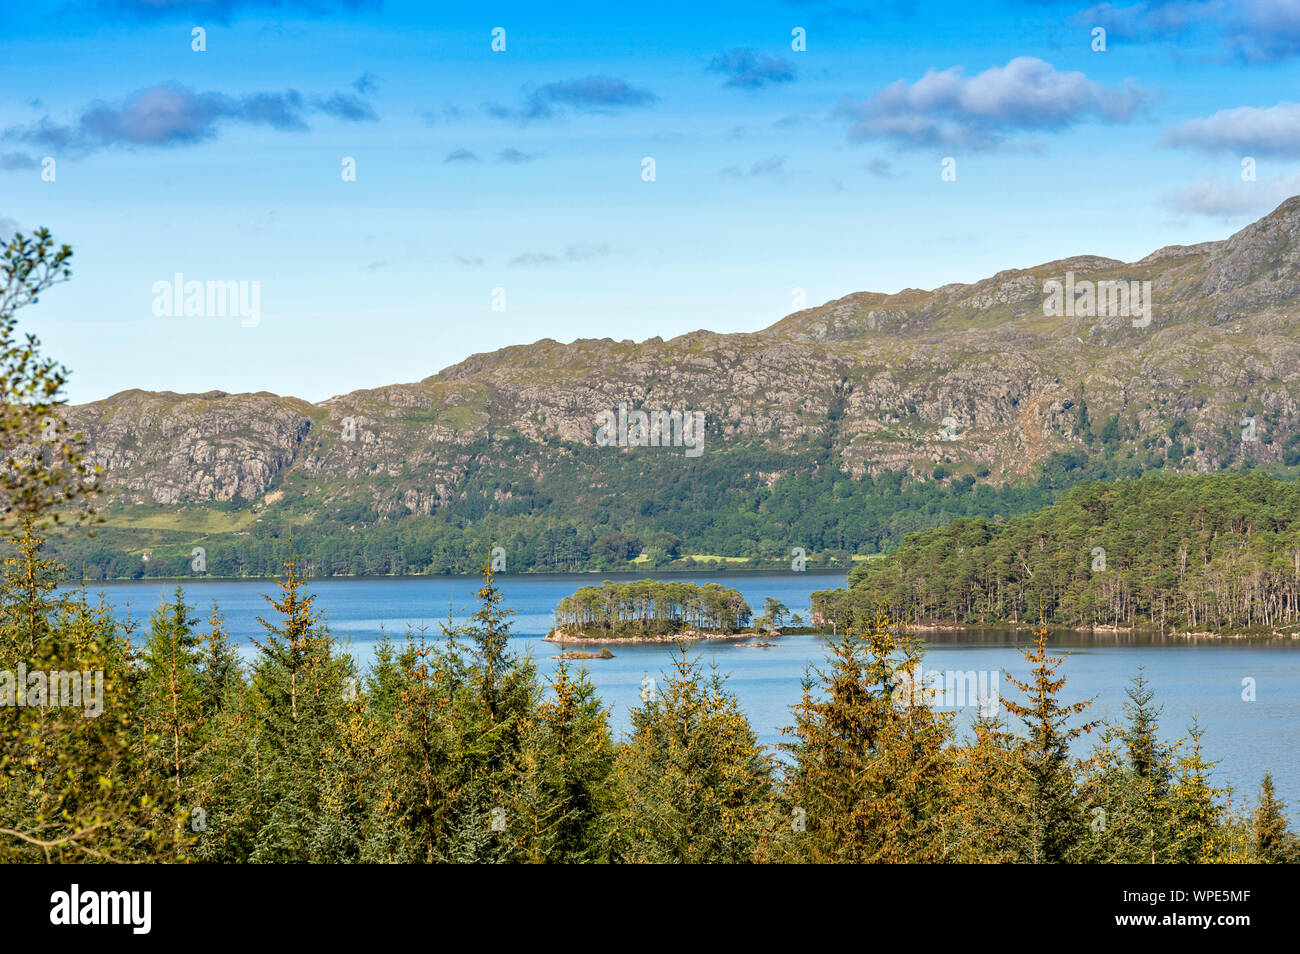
(690, 635)
(964, 627)
(413, 577)
(932, 627)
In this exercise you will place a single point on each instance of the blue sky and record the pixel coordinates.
(522, 170)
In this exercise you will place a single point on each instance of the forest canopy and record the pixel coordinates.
(1205, 553)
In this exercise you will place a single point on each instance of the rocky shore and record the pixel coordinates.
(561, 635)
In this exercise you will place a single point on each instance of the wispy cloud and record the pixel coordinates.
(173, 115)
(764, 167)
(514, 156)
(346, 106)
(1155, 20)
(1256, 31)
(444, 114)
(574, 253)
(1233, 200)
(948, 108)
(17, 160)
(222, 11)
(1245, 130)
(748, 69)
(461, 155)
(588, 94)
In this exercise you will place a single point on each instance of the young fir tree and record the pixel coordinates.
(72, 787)
(694, 785)
(451, 760)
(1127, 786)
(1150, 769)
(987, 782)
(1107, 792)
(1056, 823)
(564, 795)
(1275, 844)
(503, 690)
(220, 676)
(172, 700)
(869, 781)
(348, 796)
(423, 752)
(384, 680)
(1198, 815)
(299, 689)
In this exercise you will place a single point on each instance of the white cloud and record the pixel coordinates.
(949, 108)
(1234, 200)
(1245, 130)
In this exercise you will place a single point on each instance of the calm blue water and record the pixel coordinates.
(1202, 679)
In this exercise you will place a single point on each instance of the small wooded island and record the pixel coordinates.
(650, 611)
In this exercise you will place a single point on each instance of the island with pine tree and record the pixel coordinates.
(651, 611)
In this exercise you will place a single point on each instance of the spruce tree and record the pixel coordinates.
(173, 702)
(1274, 842)
(694, 785)
(870, 780)
(564, 795)
(220, 674)
(1198, 815)
(300, 689)
(1056, 822)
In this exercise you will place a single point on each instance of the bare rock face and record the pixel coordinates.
(171, 448)
(1260, 265)
(979, 378)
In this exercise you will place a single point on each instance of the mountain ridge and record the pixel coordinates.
(963, 381)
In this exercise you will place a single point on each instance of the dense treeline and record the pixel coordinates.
(652, 607)
(454, 750)
(1217, 552)
(715, 506)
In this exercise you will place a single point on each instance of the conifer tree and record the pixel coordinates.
(421, 754)
(1275, 843)
(28, 601)
(564, 795)
(219, 672)
(1056, 826)
(1197, 813)
(987, 782)
(72, 787)
(870, 776)
(694, 784)
(172, 700)
(1150, 766)
(298, 696)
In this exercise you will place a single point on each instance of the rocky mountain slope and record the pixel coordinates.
(970, 379)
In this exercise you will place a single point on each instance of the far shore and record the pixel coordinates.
(936, 627)
(558, 575)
